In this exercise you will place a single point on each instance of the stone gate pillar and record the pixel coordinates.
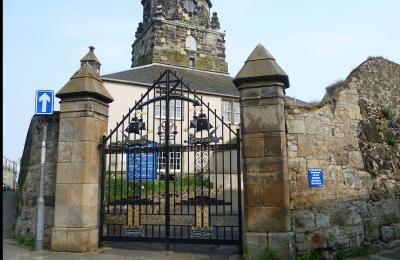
(262, 85)
(83, 122)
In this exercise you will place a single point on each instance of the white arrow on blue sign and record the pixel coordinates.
(44, 102)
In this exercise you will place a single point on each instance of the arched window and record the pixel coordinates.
(191, 43)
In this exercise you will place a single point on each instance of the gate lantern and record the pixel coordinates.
(200, 123)
(136, 126)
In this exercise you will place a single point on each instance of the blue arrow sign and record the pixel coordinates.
(44, 102)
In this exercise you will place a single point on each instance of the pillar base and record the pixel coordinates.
(74, 239)
(282, 244)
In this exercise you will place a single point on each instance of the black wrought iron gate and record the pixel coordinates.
(171, 171)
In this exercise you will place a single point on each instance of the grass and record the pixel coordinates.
(119, 186)
(332, 88)
(269, 255)
(28, 242)
(387, 112)
(312, 255)
(351, 253)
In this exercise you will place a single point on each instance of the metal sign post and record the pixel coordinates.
(44, 105)
(40, 200)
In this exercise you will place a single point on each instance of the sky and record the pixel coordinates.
(316, 42)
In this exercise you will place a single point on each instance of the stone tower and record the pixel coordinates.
(180, 33)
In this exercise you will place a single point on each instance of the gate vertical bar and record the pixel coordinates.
(238, 170)
(102, 180)
(167, 200)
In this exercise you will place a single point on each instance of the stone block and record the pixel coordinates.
(282, 244)
(365, 180)
(313, 126)
(396, 228)
(351, 178)
(77, 194)
(253, 146)
(303, 220)
(356, 159)
(77, 152)
(275, 145)
(260, 90)
(342, 158)
(69, 173)
(336, 237)
(315, 240)
(276, 194)
(254, 244)
(302, 200)
(267, 219)
(322, 220)
(387, 234)
(78, 104)
(268, 165)
(74, 239)
(305, 146)
(387, 211)
(82, 129)
(82, 240)
(296, 126)
(371, 229)
(76, 216)
(58, 239)
(253, 192)
(297, 165)
(268, 119)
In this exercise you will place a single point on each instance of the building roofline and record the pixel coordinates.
(172, 66)
(149, 85)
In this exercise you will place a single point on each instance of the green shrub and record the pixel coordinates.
(342, 254)
(392, 142)
(387, 113)
(28, 242)
(269, 255)
(312, 255)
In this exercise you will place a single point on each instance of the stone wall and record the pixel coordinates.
(29, 178)
(353, 136)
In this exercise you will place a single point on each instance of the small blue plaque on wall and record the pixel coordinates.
(315, 177)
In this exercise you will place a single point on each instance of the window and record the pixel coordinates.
(175, 109)
(231, 112)
(174, 161)
(227, 111)
(236, 113)
(190, 6)
(191, 43)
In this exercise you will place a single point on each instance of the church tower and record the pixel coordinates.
(180, 33)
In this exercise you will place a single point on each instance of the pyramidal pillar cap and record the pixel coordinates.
(86, 81)
(261, 66)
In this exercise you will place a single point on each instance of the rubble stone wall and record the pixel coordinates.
(353, 135)
(29, 178)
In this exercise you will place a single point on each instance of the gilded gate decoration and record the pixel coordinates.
(171, 171)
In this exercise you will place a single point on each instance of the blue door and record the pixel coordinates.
(142, 165)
